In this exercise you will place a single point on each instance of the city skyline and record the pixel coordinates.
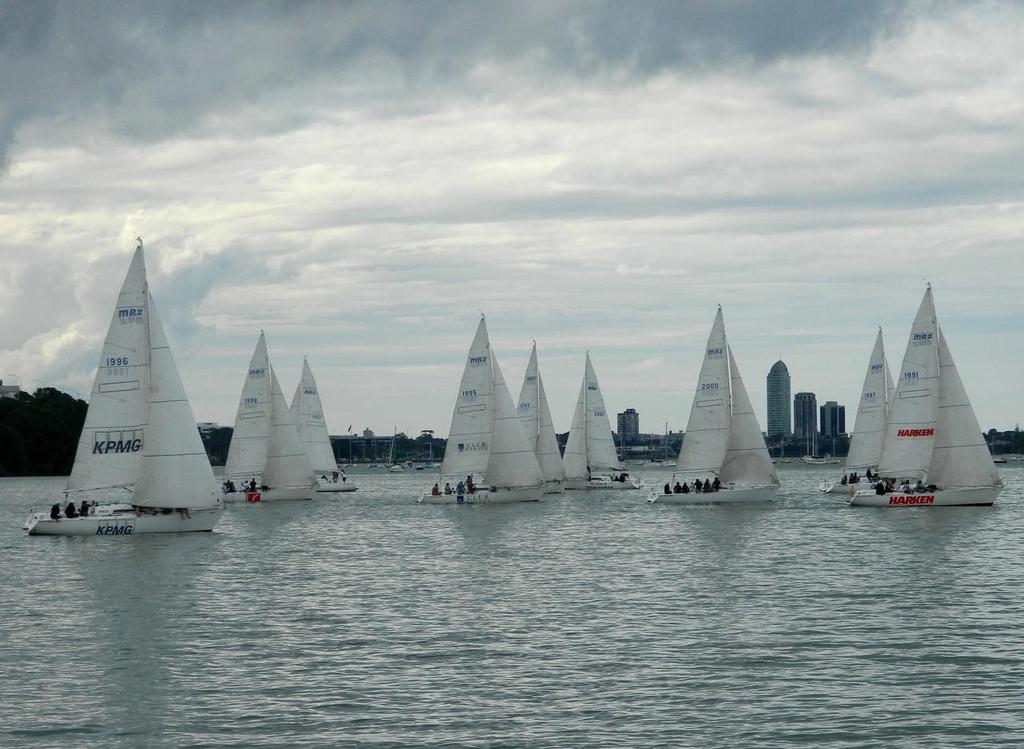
(592, 177)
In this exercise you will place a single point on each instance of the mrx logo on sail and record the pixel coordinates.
(715, 353)
(130, 315)
(117, 442)
(922, 339)
(477, 361)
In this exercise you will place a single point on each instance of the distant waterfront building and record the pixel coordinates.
(779, 415)
(805, 415)
(833, 419)
(628, 425)
(8, 391)
(368, 433)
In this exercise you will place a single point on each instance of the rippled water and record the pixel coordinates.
(588, 620)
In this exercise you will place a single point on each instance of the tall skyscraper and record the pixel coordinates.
(833, 419)
(628, 425)
(779, 423)
(805, 415)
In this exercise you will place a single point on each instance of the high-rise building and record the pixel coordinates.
(805, 415)
(779, 415)
(833, 419)
(628, 425)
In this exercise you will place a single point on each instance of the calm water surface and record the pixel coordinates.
(588, 620)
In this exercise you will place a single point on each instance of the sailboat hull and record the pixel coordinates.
(335, 488)
(724, 496)
(123, 523)
(973, 497)
(552, 487)
(602, 483)
(835, 487)
(484, 496)
(286, 493)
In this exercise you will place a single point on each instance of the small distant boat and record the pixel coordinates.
(139, 433)
(820, 460)
(723, 440)
(999, 460)
(308, 414)
(486, 439)
(538, 428)
(590, 459)
(932, 438)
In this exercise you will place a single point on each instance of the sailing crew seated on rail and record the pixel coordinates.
(436, 491)
(84, 509)
(716, 484)
(470, 486)
(880, 488)
(447, 488)
(668, 489)
(70, 510)
(677, 489)
(55, 511)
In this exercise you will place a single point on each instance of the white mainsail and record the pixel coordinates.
(469, 438)
(707, 429)
(872, 413)
(287, 464)
(600, 445)
(510, 462)
(535, 419)
(175, 470)
(589, 446)
(114, 434)
(746, 461)
(308, 414)
(910, 432)
(247, 454)
(960, 459)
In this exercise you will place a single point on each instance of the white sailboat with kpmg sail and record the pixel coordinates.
(487, 454)
(266, 460)
(869, 428)
(933, 453)
(590, 459)
(139, 436)
(538, 428)
(723, 443)
(308, 414)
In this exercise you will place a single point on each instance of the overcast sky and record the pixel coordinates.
(361, 179)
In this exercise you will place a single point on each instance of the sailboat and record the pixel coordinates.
(394, 467)
(932, 436)
(538, 428)
(139, 434)
(590, 460)
(869, 428)
(265, 456)
(723, 440)
(308, 414)
(486, 439)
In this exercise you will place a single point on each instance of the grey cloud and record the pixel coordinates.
(150, 70)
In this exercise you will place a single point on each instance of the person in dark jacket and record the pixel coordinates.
(84, 509)
(70, 510)
(55, 511)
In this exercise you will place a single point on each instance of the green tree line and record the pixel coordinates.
(39, 433)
